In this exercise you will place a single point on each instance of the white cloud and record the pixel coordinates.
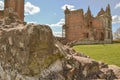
(117, 5)
(32, 22)
(115, 19)
(57, 34)
(31, 9)
(58, 24)
(71, 7)
(1, 5)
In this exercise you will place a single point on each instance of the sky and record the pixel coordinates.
(51, 12)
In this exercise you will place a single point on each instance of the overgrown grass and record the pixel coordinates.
(108, 53)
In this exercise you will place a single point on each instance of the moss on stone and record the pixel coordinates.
(38, 64)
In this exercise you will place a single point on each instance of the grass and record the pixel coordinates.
(108, 53)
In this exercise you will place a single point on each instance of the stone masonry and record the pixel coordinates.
(16, 5)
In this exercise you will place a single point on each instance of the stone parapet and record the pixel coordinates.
(89, 42)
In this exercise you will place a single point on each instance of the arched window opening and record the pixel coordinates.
(90, 24)
(95, 35)
(101, 36)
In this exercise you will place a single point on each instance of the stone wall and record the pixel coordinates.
(20, 9)
(61, 39)
(78, 42)
(17, 6)
(74, 21)
(1, 14)
(93, 42)
(25, 48)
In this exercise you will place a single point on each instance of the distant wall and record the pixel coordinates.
(61, 39)
(93, 42)
(80, 26)
(74, 22)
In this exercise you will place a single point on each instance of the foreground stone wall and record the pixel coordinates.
(1, 14)
(25, 47)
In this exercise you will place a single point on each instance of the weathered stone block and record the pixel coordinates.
(29, 48)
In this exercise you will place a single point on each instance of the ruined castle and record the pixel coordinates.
(85, 28)
(16, 5)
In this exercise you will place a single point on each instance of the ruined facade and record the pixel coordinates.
(84, 27)
(16, 5)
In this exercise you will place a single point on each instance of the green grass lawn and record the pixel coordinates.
(108, 53)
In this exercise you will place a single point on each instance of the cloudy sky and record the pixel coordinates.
(51, 12)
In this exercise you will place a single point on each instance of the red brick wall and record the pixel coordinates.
(75, 21)
(99, 27)
(80, 26)
(97, 23)
(77, 27)
(20, 9)
(10, 4)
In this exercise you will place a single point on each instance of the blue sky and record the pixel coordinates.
(51, 11)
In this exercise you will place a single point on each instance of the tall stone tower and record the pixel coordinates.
(17, 6)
